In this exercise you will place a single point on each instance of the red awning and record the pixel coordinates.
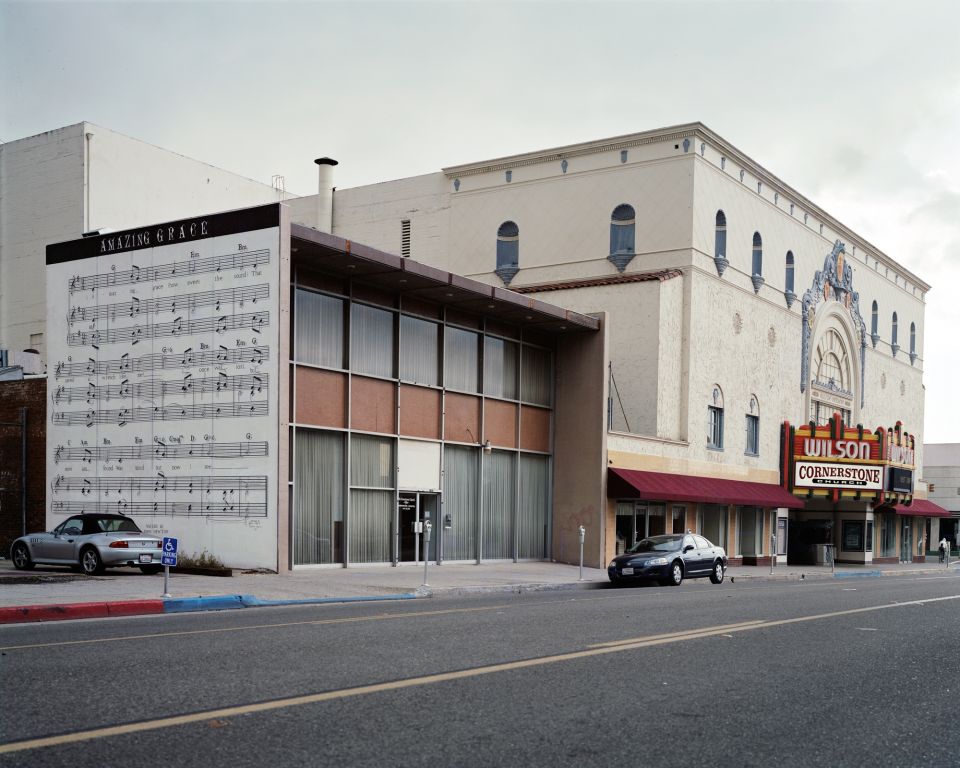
(921, 508)
(661, 486)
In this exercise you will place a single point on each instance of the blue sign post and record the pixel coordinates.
(168, 558)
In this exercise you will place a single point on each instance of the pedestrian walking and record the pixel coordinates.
(943, 548)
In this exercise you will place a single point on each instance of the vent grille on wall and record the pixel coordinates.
(405, 238)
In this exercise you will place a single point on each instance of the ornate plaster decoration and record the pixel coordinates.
(894, 348)
(723, 163)
(772, 336)
(507, 273)
(913, 358)
(620, 260)
(737, 323)
(790, 297)
(883, 381)
(758, 282)
(903, 388)
(741, 174)
(721, 264)
(832, 283)
(874, 338)
(703, 149)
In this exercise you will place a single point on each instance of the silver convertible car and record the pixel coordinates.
(92, 543)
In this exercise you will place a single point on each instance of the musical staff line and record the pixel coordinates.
(162, 362)
(159, 450)
(163, 271)
(133, 334)
(252, 384)
(187, 301)
(134, 485)
(173, 412)
(177, 508)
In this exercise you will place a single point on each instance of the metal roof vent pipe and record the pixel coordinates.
(325, 194)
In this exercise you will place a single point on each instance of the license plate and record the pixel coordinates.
(144, 558)
(627, 571)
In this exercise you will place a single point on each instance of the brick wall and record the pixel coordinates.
(14, 395)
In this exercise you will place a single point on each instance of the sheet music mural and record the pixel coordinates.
(163, 386)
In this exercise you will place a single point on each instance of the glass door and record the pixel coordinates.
(413, 508)
(906, 543)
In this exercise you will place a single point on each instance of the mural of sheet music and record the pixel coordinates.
(163, 350)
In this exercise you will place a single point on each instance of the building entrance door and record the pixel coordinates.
(412, 508)
(906, 543)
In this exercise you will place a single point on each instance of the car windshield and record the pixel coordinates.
(657, 544)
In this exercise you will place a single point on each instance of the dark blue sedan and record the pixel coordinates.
(669, 559)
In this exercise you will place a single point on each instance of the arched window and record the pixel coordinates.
(831, 380)
(752, 446)
(622, 230)
(508, 251)
(720, 238)
(788, 280)
(757, 264)
(893, 335)
(913, 342)
(874, 321)
(715, 419)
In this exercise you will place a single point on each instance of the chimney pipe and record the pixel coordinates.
(325, 194)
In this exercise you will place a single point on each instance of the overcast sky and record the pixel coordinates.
(854, 104)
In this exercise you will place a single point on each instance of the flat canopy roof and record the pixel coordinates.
(662, 486)
(347, 259)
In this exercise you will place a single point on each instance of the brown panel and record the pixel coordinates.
(501, 423)
(419, 411)
(461, 420)
(373, 295)
(373, 405)
(534, 428)
(418, 307)
(320, 397)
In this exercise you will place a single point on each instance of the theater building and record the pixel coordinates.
(615, 335)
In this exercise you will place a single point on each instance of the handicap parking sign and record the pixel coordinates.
(169, 551)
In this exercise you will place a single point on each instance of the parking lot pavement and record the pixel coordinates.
(52, 587)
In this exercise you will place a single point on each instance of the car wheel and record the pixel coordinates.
(21, 557)
(90, 562)
(151, 569)
(716, 575)
(676, 574)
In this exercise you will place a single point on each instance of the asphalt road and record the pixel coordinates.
(829, 673)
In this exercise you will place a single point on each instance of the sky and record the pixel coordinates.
(856, 105)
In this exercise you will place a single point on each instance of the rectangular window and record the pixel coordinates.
(781, 536)
(714, 427)
(371, 341)
(371, 462)
(868, 540)
(713, 524)
(888, 535)
(499, 501)
(461, 477)
(419, 350)
(500, 368)
(318, 497)
(679, 519)
(536, 373)
(750, 531)
(533, 510)
(852, 536)
(753, 435)
(318, 326)
(461, 360)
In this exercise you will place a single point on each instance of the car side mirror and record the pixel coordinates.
(687, 548)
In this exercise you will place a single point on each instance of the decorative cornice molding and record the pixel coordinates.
(595, 282)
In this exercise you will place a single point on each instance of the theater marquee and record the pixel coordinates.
(837, 461)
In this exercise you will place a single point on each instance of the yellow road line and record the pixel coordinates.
(316, 698)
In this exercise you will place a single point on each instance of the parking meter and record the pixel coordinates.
(427, 527)
(583, 535)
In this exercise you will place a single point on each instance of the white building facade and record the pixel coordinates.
(732, 305)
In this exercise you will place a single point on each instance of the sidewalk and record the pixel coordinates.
(65, 594)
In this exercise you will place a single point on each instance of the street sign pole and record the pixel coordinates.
(168, 558)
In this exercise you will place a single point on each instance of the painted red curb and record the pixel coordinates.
(26, 613)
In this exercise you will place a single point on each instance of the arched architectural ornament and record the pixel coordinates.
(833, 283)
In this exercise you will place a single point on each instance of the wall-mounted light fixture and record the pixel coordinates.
(487, 448)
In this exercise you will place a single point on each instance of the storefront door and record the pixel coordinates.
(413, 508)
(906, 543)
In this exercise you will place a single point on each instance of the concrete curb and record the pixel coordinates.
(22, 614)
